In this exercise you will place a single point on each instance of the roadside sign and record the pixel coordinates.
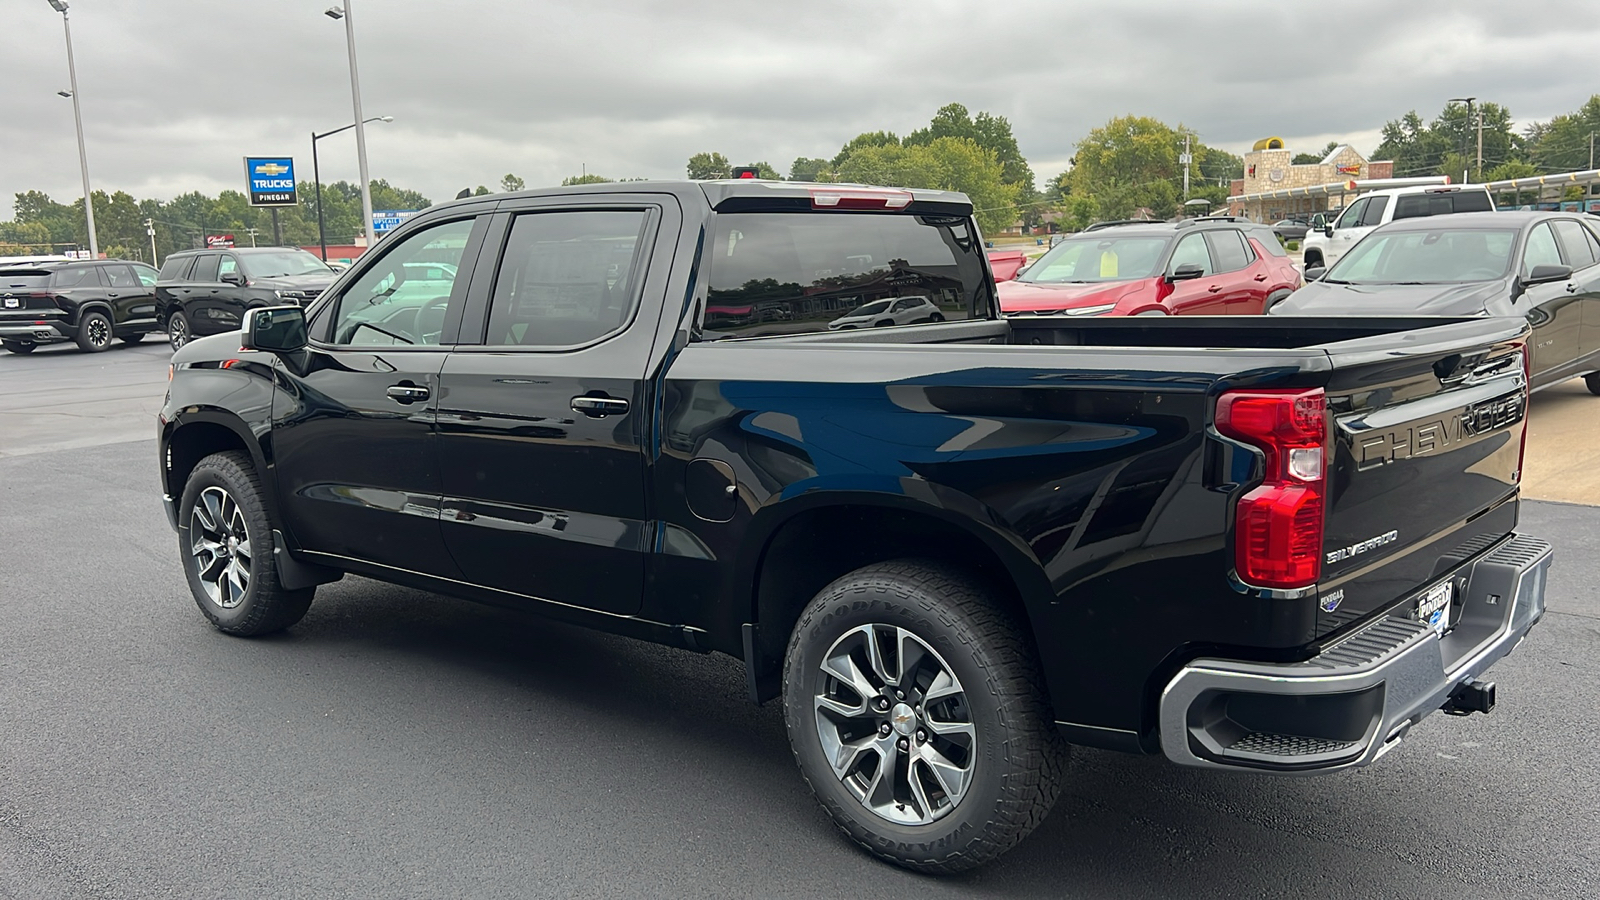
(387, 220)
(270, 180)
(219, 240)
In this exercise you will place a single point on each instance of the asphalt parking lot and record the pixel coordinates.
(401, 744)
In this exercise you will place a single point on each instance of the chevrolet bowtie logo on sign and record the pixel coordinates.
(270, 180)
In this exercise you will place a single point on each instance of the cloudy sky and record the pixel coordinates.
(175, 92)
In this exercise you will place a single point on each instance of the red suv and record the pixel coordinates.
(1207, 267)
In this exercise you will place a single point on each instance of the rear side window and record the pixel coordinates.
(82, 276)
(795, 273)
(205, 268)
(1441, 203)
(1574, 246)
(1268, 241)
(1373, 215)
(176, 268)
(1229, 250)
(121, 277)
(567, 277)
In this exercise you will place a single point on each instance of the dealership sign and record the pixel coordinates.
(270, 180)
(387, 220)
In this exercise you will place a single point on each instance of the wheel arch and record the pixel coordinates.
(822, 536)
(99, 306)
(192, 436)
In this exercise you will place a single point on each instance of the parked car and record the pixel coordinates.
(1291, 229)
(895, 311)
(1006, 263)
(203, 292)
(87, 301)
(1377, 208)
(1207, 266)
(1544, 266)
(948, 547)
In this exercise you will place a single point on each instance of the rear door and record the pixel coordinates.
(1241, 273)
(544, 424)
(1581, 251)
(353, 439)
(197, 297)
(1554, 309)
(1201, 296)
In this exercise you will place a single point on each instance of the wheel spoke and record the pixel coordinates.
(950, 729)
(952, 778)
(880, 791)
(848, 757)
(911, 654)
(212, 569)
(943, 687)
(842, 708)
(842, 667)
(918, 792)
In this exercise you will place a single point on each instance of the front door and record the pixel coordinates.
(1201, 296)
(133, 302)
(544, 426)
(1581, 251)
(353, 437)
(1554, 309)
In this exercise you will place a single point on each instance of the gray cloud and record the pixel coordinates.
(175, 92)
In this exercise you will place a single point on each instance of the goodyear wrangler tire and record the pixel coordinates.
(915, 715)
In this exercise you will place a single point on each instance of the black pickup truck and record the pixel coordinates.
(786, 422)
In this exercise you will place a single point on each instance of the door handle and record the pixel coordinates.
(1213, 289)
(600, 407)
(115, 294)
(406, 393)
(1261, 278)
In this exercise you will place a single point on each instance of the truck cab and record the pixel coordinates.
(1369, 211)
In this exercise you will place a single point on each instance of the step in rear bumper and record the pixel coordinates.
(1354, 702)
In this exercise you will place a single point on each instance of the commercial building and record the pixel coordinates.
(1274, 187)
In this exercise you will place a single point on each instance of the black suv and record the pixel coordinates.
(203, 292)
(88, 301)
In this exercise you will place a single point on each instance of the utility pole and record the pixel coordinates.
(1591, 150)
(1480, 142)
(277, 230)
(1185, 159)
(252, 232)
(150, 229)
(60, 6)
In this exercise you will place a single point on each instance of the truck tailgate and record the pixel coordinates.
(1427, 456)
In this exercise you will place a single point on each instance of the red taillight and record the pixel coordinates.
(859, 198)
(1278, 528)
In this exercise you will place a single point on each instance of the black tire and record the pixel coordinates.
(1311, 260)
(94, 331)
(261, 606)
(131, 339)
(936, 317)
(178, 332)
(1015, 758)
(19, 347)
(1592, 381)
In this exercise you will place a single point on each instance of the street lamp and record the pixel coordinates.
(1468, 102)
(336, 13)
(316, 177)
(60, 6)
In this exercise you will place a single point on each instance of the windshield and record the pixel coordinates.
(1084, 260)
(1442, 256)
(289, 262)
(871, 309)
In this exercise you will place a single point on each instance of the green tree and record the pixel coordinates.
(706, 166)
(946, 163)
(584, 179)
(509, 183)
(863, 140)
(1563, 144)
(1419, 148)
(993, 133)
(481, 191)
(765, 170)
(807, 169)
(1131, 163)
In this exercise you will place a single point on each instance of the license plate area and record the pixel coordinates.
(1434, 608)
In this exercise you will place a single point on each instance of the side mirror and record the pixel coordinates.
(1185, 272)
(233, 278)
(275, 329)
(1315, 273)
(1327, 230)
(1546, 273)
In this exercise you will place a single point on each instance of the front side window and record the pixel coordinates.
(1097, 258)
(566, 278)
(776, 273)
(1541, 249)
(227, 266)
(147, 275)
(1352, 215)
(384, 306)
(1191, 251)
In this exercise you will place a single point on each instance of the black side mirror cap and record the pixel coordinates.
(232, 278)
(1185, 272)
(1546, 273)
(1315, 273)
(274, 329)
(1327, 230)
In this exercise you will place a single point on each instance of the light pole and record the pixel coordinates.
(1468, 101)
(60, 6)
(150, 229)
(336, 13)
(316, 177)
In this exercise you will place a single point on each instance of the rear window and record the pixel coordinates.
(28, 278)
(1441, 203)
(175, 268)
(793, 273)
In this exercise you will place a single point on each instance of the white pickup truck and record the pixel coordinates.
(1382, 207)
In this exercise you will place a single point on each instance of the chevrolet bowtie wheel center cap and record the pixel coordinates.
(903, 718)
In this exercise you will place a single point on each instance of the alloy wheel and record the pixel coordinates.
(99, 331)
(894, 724)
(177, 331)
(219, 541)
